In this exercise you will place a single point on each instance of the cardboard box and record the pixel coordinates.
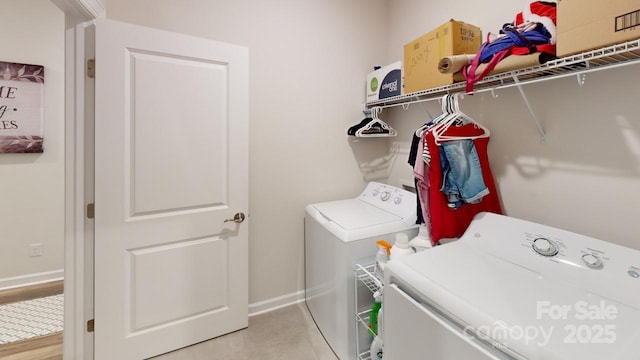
(385, 82)
(421, 56)
(584, 25)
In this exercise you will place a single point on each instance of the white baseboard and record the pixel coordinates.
(264, 306)
(31, 279)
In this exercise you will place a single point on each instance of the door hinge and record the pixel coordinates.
(91, 208)
(90, 325)
(91, 68)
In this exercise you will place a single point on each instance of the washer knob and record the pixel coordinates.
(545, 247)
(375, 192)
(397, 200)
(592, 261)
(385, 195)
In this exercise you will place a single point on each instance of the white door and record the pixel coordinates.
(171, 164)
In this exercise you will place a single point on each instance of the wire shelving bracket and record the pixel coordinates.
(531, 112)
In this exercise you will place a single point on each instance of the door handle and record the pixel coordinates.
(237, 218)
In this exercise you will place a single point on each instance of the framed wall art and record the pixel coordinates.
(21, 108)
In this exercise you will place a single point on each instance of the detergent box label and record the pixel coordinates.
(385, 82)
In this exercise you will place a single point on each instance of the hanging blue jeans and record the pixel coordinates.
(462, 180)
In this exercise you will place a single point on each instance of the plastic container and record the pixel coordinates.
(376, 349)
(384, 249)
(374, 315)
(401, 247)
(423, 240)
(381, 322)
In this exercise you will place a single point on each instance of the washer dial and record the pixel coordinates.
(385, 195)
(592, 261)
(545, 247)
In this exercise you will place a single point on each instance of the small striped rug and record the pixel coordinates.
(32, 318)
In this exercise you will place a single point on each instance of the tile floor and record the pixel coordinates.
(284, 334)
(31, 318)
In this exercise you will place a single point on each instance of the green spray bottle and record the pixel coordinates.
(373, 315)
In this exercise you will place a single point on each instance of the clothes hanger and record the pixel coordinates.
(376, 127)
(452, 116)
(445, 112)
(439, 133)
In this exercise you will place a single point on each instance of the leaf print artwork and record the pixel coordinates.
(21, 108)
(6, 74)
(21, 144)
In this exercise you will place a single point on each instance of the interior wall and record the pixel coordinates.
(308, 62)
(586, 176)
(32, 185)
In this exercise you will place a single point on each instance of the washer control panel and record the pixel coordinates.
(390, 198)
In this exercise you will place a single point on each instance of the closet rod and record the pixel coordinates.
(405, 104)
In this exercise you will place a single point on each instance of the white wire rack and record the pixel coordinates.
(364, 275)
(578, 65)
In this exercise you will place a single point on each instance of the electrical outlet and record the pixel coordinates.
(35, 250)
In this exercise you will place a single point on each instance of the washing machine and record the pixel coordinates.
(513, 289)
(338, 235)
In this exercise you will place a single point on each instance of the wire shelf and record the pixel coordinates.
(363, 318)
(614, 56)
(365, 275)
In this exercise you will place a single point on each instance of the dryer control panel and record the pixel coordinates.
(596, 265)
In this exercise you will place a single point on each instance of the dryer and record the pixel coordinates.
(338, 235)
(513, 289)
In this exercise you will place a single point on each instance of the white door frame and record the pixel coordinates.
(77, 234)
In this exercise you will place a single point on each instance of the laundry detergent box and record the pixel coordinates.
(585, 25)
(384, 82)
(421, 56)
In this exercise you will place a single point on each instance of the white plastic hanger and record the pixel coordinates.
(440, 129)
(375, 121)
(445, 112)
